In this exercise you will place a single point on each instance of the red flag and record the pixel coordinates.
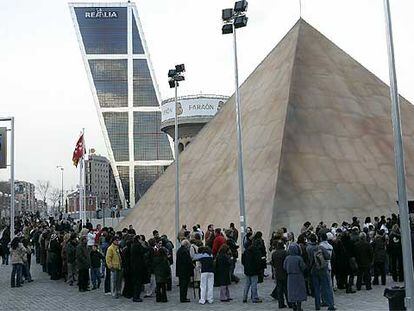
(79, 151)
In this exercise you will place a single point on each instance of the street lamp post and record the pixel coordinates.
(233, 19)
(12, 194)
(174, 76)
(61, 199)
(399, 164)
(103, 212)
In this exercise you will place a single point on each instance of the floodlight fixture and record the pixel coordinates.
(180, 68)
(171, 82)
(227, 14)
(240, 6)
(179, 78)
(240, 21)
(227, 29)
(172, 73)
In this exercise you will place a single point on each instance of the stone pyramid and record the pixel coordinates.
(317, 141)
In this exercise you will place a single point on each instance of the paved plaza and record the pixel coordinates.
(44, 294)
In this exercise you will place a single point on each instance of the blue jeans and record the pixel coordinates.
(26, 272)
(322, 286)
(251, 282)
(16, 275)
(116, 283)
(96, 277)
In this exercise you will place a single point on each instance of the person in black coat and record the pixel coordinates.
(4, 244)
(339, 262)
(96, 261)
(162, 273)
(54, 263)
(278, 258)
(259, 244)
(139, 269)
(184, 269)
(349, 268)
(395, 253)
(127, 291)
(233, 247)
(364, 256)
(83, 263)
(380, 255)
(71, 255)
(223, 271)
(252, 263)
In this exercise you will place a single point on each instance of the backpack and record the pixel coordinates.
(319, 259)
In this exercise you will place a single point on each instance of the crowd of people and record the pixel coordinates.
(323, 259)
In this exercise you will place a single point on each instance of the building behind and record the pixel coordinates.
(25, 196)
(125, 94)
(25, 201)
(97, 178)
(100, 189)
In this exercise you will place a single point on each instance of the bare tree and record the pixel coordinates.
(54, 196)
(42, 188)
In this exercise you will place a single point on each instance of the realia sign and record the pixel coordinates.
(101, 13)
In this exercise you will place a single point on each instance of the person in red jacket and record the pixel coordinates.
(219, 240)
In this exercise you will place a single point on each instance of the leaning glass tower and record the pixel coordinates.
(125, 93)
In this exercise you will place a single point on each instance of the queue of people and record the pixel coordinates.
(321, 261)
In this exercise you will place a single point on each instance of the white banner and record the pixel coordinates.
(192, 107)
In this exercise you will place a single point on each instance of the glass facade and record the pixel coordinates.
(110, 77)
(145, 176)
(136, 39)
(103, 30)
(149, 142)
(116, 124)
(144, 91)
(124, 176)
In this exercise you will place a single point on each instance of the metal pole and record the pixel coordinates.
(243, 220)
(83, 179)
(399, 164)
(177, 180)
(103, 214)
(62, 207)
(80, 193)
(12, 202)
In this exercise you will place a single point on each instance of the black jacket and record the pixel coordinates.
(223, 264)
(278, 258)
(379, 249)
(394, 246)
(231, 243)
(139, 267)
(162, 269)
(251, 260)
(71, 251)
(83, 261)
(364, 253)
(96, 259)
(184, 265)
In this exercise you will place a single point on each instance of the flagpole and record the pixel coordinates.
(80, 191)
(83, 177)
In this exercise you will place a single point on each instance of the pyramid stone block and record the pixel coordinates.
(317, 142)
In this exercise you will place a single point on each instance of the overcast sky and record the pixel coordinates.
(44, 85)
